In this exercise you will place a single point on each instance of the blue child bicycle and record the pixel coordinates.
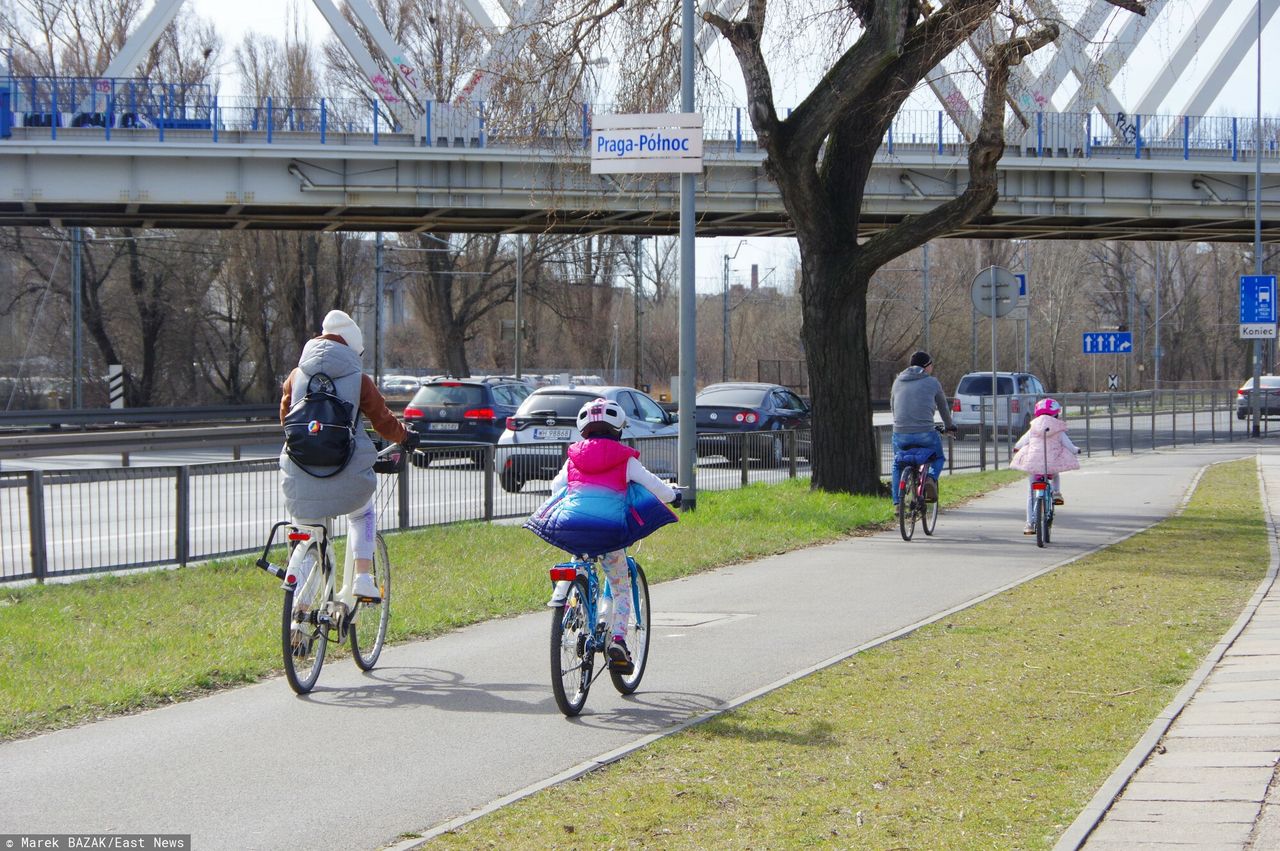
(580, 630)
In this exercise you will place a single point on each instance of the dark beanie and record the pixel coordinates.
(921, 359)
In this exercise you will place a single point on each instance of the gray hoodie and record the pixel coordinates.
(914, 398)
(307, 497)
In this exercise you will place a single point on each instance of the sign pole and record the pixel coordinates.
(995, 396)
(1256, 396)
(687, 441)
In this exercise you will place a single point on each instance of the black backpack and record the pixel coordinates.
(319, 430)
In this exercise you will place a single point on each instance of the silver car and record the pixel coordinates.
(532, 447)
(1018, 392)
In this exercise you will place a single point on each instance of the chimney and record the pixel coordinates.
(755, 276)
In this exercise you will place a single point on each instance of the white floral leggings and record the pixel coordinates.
(619, 577)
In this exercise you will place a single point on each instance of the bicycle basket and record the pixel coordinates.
(390, 464)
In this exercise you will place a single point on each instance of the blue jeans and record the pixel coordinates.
(916, 440)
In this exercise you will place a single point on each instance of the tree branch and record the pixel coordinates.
(984, 155)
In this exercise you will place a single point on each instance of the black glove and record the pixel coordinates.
(675, 503)
(411, 439)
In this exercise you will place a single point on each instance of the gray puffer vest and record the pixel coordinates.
(307, 497)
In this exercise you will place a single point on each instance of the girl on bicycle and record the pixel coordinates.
(1045, 450)
(602, 501)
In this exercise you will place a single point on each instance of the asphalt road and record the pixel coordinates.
(449, 725)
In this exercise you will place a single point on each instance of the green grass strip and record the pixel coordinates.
(71, 653)
(991, 729)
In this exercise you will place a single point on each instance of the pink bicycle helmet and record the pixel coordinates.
(1050, 407)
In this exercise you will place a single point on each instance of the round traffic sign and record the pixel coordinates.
(998, 283)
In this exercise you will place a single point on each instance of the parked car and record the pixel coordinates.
(1268, 403)
(462, 410)
(726, 411)
(400, 385)
(531, 448)
(1020, 392)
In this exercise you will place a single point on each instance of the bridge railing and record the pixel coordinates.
(139, 106)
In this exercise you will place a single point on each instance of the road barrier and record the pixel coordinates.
(56, 524)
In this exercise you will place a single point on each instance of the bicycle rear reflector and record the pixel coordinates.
(1038, 486)
(563, 574)
(299, 536)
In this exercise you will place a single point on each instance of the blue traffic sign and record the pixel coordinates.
(1107, 343)
(1022, 284)
(1257, 299)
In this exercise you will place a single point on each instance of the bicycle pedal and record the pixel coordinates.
(622, 667)
(368, 599)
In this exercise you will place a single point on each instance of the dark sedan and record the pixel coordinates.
(462, 411)
(728, 412)
(1268, 403)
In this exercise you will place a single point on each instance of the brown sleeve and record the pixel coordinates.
(286, 400)
(374, 407)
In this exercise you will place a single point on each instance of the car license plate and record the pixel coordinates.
(443, 427)
(552, 434)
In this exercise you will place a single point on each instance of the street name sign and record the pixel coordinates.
(648, 143)
(1257, 307)
(1107, 343)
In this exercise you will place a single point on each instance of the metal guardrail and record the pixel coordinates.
(56, 418)
(59, 524)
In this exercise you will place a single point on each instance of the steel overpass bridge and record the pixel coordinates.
(115, 151)
(1069, 183)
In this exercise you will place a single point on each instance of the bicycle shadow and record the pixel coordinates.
(450, 691)
(642, 712)
(408, 688)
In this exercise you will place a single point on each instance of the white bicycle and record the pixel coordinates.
(320, 610)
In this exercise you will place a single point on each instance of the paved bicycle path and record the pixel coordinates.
(448, 725)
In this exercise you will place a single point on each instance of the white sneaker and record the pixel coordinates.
(297, 575)
(365, 587)
(558, 594)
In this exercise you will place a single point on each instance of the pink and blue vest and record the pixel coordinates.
(598, 510)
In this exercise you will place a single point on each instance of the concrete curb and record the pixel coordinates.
(1085, 823)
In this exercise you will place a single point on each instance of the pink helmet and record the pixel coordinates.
(1048, 406)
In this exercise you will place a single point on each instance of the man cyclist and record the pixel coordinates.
(916, 394)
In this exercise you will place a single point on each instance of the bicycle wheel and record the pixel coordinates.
(637, 637)
(929, 515)
(1042, 530)
(369, 620)
(907, 505)
(1048, 518)
(571, 661)
(304, 638)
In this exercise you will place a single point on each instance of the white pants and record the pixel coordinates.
(362, 529)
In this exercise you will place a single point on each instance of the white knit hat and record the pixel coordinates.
(339, 323)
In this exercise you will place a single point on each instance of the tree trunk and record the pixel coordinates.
(846, 454)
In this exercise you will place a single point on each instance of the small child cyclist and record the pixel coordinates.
(594, 509)
(1045, 450)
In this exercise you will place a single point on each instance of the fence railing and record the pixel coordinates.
(63, 523)
(129, 109)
